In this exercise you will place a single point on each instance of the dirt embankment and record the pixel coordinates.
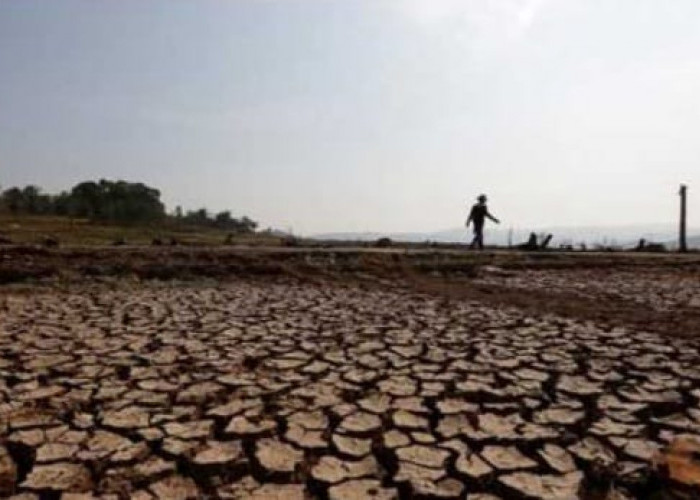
(22, 263)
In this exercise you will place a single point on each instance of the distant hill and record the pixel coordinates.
(626, 236)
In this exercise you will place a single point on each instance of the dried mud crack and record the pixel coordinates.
(284, 389)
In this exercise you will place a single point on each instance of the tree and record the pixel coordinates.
(85, 200)
(61, 204)
(12, 199)
(248, 225)
(118, 201)
(114, 201)
(198, 217)
(31, 199)
(27, 200)
(223, 219)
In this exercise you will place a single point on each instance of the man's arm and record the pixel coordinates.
(492, 218)
(471, 216)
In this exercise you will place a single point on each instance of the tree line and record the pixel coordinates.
(114, 201)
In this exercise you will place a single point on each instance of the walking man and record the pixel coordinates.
(478, 215)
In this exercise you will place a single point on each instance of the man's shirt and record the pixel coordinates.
(478, 214)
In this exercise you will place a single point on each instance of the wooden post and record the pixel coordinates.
(682, 244)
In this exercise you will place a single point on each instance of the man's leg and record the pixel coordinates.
(478, 237)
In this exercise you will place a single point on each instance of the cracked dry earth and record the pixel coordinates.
(660, 290)
(288, 391)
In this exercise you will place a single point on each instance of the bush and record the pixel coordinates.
(384, 243)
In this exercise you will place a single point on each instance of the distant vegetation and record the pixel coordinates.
(117, 202)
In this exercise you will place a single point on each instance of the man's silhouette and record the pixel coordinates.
(478, 216)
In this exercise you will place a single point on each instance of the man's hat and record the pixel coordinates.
(481, 197)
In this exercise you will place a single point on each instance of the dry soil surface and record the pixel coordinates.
(285, 389)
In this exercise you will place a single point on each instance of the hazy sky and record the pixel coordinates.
(346, 115)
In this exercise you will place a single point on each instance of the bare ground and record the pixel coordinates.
(209, 373)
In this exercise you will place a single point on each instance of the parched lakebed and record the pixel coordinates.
(282, 389)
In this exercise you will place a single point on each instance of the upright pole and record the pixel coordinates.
(682, 244)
